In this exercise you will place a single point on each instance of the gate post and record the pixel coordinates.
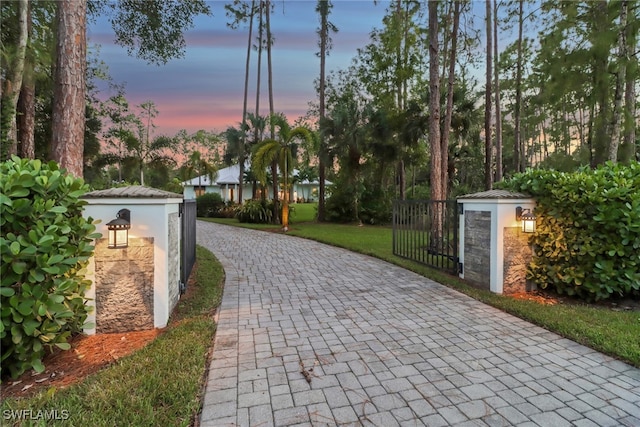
(137, 285)
(494, 251)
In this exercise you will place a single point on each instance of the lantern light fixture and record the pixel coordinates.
(119, 230)
(527, 218)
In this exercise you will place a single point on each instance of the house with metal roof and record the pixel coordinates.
(226, 183)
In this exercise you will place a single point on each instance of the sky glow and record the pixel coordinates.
(204, 90)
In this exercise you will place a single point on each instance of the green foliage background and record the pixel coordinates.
(45, 244)
(587, 241)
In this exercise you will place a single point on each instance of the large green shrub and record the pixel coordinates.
(587, 241)
(45, 244)
(209, 204)
(376, 207)
(340, 205)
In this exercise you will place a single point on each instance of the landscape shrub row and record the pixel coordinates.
(211, 205)
(587, 241)
(45, 244)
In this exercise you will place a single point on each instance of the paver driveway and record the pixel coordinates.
(313, 335)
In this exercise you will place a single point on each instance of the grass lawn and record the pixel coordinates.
(616, 333)
(159, 385)
(302, 212)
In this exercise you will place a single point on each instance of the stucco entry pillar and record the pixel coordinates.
(494, 251)
(137, 287)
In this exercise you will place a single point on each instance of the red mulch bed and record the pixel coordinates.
(88, 354)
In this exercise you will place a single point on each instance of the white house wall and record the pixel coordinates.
(299, 191)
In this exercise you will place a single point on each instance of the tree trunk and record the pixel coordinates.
(446, 129)
(259, 75)
(519, 157)
(628, 153)
(399, 89)
(628, 148)
(322, 169)
(27, 117)
(601, 86)
(434, 104)
(274, 164)
(434, 127)
(68, 116)
(496, 79)
(243, 140)
(260, 43)
(269, 62)
(623, 59)
(488, 183)
(13, 82)
(27, 105)
(590, 127)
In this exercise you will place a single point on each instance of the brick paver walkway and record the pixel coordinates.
(312, 335)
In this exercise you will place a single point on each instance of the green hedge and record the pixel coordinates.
(209, 204)
(587, 241)
(45, 244)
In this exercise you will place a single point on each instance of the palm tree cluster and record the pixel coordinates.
(281, 150)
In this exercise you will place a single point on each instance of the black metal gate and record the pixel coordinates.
(188, 249)
(426, 231)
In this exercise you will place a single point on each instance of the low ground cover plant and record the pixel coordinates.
(255, 212)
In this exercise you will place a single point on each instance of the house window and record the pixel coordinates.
(199, 190)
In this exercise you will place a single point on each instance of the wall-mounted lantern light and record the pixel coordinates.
(119, 230)
(528, 219)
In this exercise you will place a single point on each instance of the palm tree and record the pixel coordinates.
(281, 150)
(256, 126)
(346, 132)
(241, 12)
(274, 164)
(199, 166)
(382, 146)
(243, 142)
(237, 149)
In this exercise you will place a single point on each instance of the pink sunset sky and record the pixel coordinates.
(204, 90)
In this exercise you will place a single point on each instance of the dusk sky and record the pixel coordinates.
(204, 90)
